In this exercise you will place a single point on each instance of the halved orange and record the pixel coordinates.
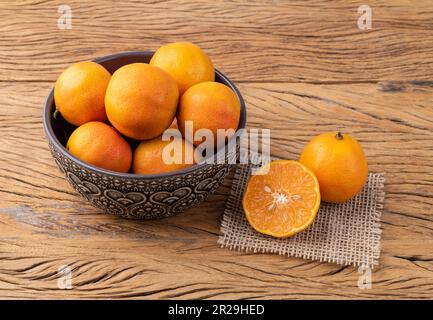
(282, 198)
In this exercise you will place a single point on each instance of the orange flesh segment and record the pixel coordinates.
(283, 201)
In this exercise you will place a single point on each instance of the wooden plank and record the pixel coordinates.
(114, 268)
(44, 224)
(259, 41)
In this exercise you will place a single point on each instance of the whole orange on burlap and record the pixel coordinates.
(79, 92)
(141, 100)
(209, 105)
(185, 62)
(101, 145)
(339, 163)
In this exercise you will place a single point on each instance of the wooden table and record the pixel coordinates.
(304, 67)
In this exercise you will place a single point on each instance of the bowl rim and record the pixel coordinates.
(52, 138)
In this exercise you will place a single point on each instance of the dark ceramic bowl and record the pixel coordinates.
(132, 195)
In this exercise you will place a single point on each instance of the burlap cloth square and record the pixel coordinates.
(346, 234)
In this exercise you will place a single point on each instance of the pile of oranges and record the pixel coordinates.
(138, 102)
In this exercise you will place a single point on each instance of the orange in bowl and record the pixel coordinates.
(141, 100)
(209, 105)
(79, 92)
(185, 62)
(157, 156)
(101, 145)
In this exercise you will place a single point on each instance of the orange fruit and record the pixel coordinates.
(101, 145)
(339, 164)
(141, 100)
(209, 105)
(79, 92)
(282, 198)
(186, 62)
(149, 156)
(173, 125)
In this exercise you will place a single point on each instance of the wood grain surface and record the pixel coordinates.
(303, 68)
